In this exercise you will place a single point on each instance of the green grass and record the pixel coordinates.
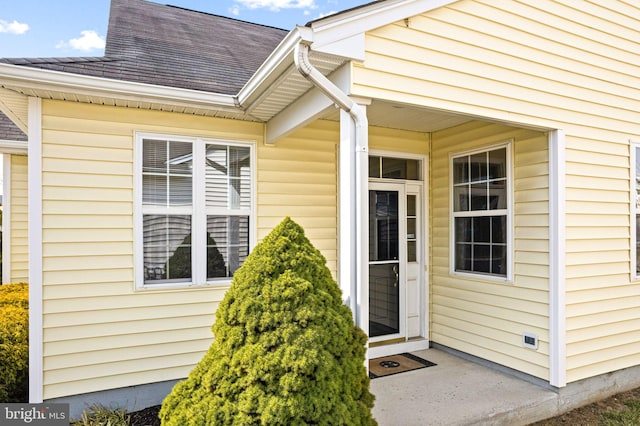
(630, 416)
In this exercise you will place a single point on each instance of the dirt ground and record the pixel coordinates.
(589, 415)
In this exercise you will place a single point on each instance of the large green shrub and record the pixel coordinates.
(286, 350)
(14, 342)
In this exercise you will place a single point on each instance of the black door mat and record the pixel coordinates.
(394, 364)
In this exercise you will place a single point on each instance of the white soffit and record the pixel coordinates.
(407, 117)
(291, 86)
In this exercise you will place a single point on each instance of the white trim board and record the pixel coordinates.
(6, 218)
(634, 145)
(36, 375)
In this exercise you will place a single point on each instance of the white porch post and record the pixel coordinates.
(34, 170)
(347, 212)
(354, 213)
(557, 250)
(362, 222)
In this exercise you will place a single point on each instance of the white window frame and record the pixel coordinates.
(199, 210)
(509, 213)
(635, 209)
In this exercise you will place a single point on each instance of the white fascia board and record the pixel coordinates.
(351, 47)
(13, 147)
(306, 109)
(333, 30)
(33, 78)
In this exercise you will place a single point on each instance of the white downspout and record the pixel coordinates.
(359, 300)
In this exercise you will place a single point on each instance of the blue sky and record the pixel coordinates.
(45, 28)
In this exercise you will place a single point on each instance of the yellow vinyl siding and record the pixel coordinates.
(474, 58)
(18, 221)
(394, 140)
(483, 317)
(602, 314)
(298, 178)
(563, 64)
(14, 105)
(99, 332)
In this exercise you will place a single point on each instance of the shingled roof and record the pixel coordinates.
(171, 46)
(9, 131)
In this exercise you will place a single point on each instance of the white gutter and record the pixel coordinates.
(39, 79)
(13, 147)
(359, 297)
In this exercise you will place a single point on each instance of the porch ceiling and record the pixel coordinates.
(407, 117)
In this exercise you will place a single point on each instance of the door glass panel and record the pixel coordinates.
(374, 167)
(384, 279)
(384, 300)
(411, 205)
(412, 228)
(412, 253)
(400, 168)
(383, 225)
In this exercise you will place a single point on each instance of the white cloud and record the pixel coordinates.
(88, 41)
(235, 10)
(14, 27)
(322, 15)
(276, 5)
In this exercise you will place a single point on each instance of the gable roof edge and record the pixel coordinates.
(349, 24)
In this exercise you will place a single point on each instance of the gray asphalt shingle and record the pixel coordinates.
(171, 46)
(9, 131)
(168, 46)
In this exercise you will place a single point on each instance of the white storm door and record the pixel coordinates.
(387, 261)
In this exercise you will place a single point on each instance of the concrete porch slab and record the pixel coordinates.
(459, 392)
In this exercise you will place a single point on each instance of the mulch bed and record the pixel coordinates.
(146, 417)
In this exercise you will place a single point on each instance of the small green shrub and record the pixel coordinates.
(286, 350)
(98, 415)
(14, 342)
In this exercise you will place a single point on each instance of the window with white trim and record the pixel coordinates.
(194, 212)
(480, 210)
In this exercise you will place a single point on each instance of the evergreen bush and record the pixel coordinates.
(14, 342)
(286, 350)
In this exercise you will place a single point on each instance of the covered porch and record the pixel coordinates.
(461, 390)
(421, 257)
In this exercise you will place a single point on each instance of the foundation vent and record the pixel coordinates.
(530, 340)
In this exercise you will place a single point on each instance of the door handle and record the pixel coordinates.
(395, 271)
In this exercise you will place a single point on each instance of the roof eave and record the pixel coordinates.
(14, 76)
(278, 62)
